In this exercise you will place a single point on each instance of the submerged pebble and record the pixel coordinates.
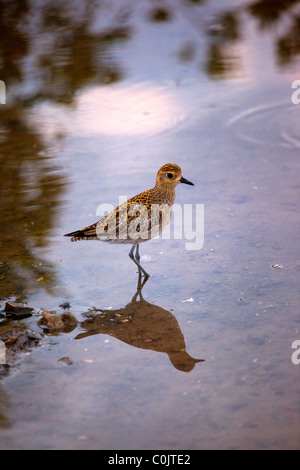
(17, 311)
(53, 321)
(65, 305)
(66, 360)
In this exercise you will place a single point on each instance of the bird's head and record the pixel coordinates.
(170, 175)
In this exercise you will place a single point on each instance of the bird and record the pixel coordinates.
(140, 218)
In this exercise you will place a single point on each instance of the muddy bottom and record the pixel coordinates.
(18, 340)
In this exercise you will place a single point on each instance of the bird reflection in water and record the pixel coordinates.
(143, 325)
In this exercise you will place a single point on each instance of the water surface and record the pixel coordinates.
(99, 96)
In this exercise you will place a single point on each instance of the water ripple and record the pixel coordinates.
(276, 124)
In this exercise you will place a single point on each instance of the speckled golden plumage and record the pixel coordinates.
(140, 218)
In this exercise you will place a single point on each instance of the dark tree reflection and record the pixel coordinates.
(64, 57)
(288, 45)
(267, 14)
(226, 29)
(270, 13)
(30, 194)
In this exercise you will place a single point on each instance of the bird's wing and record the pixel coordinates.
(134, 218)
(87, 233)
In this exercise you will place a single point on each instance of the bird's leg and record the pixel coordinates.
(137, 253)
(139, 288)
(131, 255)
(136, 260)
(141, 284)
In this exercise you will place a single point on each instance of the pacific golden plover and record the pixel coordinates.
(140, 218)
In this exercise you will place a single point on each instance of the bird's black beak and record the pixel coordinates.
(183, 180)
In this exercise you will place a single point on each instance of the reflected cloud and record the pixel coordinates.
(142, 325)
(130, 110)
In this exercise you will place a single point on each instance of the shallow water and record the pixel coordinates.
(99, 96)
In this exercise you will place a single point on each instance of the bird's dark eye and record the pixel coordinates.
(170, 175)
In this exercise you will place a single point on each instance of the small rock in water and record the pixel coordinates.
(277, 266)
(65, 305)
(53, 321)
(66, 360)
(17, 311)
